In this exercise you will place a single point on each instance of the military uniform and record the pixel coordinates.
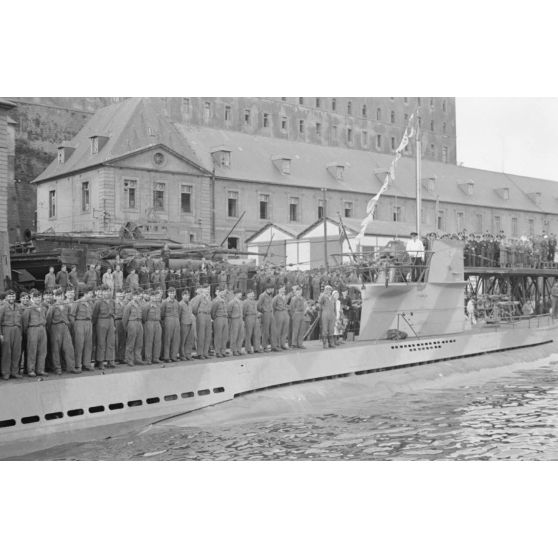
(33, 322)
(58, 325)
(171, 329)
(120, 337)
(201, 308)
(187, 329)
(152, 332)
(327, 318)
(103, 321)
(265, 307)
(296, 309)
(281, 321)
(220, 326)
(10, 327)
(80, 317)
(251, 326)
(131, 321)
(234, 312)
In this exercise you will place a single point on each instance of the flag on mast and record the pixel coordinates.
(371, 205)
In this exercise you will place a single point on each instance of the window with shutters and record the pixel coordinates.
(264, 206)
(130, 188)
(460, 220)
(186, 198)
(51, 204)
(232, 204)
(159, 196)
(497, 224)
(293, 209)
(206, 111)
(85, 194)
(321, 209)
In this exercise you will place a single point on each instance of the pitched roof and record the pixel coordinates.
(252, 159)
(130, 126)
(291, 229)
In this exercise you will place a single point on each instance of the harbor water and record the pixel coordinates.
(493, 407)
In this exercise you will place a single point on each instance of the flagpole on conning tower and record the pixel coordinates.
(418, 173)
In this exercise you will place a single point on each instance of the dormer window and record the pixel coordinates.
(467, 187)
(64, 153)
(222, 156)
(337, 170)
(504, 193)
(97, 143)
(429, 184)
(282, 163)
(535, 197)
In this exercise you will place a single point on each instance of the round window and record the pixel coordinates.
(158, 158)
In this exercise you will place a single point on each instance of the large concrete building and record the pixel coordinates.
(5, 142)
(132, 163)
(367, 123)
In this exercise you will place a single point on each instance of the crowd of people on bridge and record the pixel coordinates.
(497, 250)
(152, 316)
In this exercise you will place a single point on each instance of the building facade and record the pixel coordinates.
(130, 163)
(367, 123)
(376, 124)
(5, 269)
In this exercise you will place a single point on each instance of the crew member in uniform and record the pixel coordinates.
(201, 308)
(265, 307)
(10, 333)
(327, 316)
(171, 326)
(131, 320)
(281, 320)
(120, 336)
(103, 322)
(33, 322)
(58, 325)
(219, 317)
(234, 312)
(80, 318)
(152, 332)
(187, 326)
(296, 309)
(252, 337)
(24, 302)
(415, 249)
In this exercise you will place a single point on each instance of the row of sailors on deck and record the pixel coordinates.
(56, 332)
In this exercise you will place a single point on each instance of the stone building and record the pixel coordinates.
(375, 124)
(367, 123)
(131, 163)
(5, 270)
